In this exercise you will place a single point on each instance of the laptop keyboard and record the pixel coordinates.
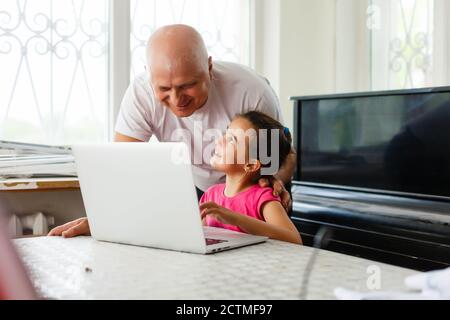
(210, 242)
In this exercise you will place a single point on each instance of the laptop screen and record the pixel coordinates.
(393, 141)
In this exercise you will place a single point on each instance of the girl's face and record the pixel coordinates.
(231, 153)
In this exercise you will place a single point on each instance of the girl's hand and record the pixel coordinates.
(219, 213)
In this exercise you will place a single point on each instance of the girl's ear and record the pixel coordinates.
(252, 166)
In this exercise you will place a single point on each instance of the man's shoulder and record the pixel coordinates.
(142, 91)
(228, 65)
(141, 79)
(246, 89)
(236, 73)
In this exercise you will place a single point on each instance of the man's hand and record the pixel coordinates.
(79, 227)
(219, 213)
(278, 190)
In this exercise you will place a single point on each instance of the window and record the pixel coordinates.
(392, 44)
(409, 43)
(55, 59)
(223, 24)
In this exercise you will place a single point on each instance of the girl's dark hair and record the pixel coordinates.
(259, 121)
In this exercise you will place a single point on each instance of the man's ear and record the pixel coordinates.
(252, 166)
(210, 67)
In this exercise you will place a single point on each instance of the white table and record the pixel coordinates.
(83, 268)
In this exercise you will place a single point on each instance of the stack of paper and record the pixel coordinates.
(22, 160)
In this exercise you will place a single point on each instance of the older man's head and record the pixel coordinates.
(180, 69)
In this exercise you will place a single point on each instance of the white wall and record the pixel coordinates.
(296, 48)
(309, 47)
(352, 35)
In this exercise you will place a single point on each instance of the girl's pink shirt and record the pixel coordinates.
(248, 202)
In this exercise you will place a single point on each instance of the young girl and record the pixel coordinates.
(241, 204)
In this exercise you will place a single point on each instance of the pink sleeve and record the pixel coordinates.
(207, 195)
(266, 196)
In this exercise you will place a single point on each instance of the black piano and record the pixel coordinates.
(374, 168)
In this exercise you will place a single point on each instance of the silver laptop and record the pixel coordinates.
(143, 194)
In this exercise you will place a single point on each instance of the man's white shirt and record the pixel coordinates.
(235, 89)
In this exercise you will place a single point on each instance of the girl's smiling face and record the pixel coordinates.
(231, 154)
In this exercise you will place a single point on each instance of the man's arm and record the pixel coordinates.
(123, 138)
(286, 172)
(283, 177)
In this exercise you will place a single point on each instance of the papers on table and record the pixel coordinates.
(23, 160)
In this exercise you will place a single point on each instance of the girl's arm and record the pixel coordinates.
(277, 226)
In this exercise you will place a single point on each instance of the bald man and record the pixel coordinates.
(183, 94)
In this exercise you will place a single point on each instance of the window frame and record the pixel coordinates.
(120, 52)
(119, 58)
